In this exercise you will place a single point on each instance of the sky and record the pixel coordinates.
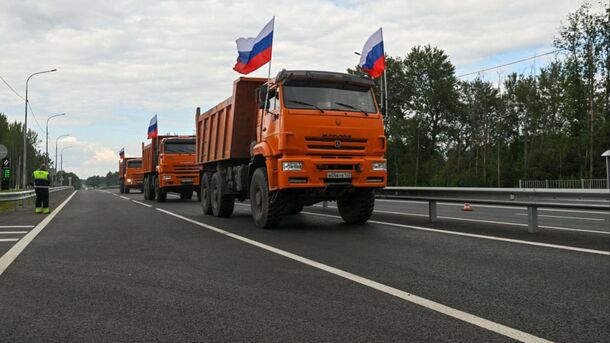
(121, 62)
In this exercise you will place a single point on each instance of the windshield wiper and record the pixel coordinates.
(352, 107)
(306, 104)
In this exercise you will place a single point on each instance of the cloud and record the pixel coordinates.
(121, 62)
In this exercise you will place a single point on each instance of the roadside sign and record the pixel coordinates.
(3, 151)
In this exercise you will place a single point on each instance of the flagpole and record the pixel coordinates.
(268, 78)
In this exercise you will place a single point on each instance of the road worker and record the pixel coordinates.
(41, 186)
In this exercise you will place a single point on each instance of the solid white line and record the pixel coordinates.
(12, 254)
(16, 226)
(488, 221)
(494, 238)
(12, 232)
(565, 217)
(493, 206)
(141, 203)
(429, 304)
(122, 197)
(9, 239)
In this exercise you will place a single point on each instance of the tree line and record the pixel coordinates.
(111, 179)
(553, 123)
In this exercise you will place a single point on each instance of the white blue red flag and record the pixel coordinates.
(122, 153)
(152, 127)
(254, 52)
(372, 59)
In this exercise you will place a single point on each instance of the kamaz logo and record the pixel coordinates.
(337, 144)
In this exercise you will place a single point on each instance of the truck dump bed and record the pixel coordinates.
(225, 133)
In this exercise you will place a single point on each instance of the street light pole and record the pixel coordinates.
(62, 157)
(25, 127)
(57, 142)
(47, 136)
(606, 154)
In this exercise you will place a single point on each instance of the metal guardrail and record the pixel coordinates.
(565, 184)
(23, 195)
(518, 197)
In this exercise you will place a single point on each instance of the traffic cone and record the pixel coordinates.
(467, 207)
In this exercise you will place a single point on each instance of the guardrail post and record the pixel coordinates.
(520, 184)
(432, 210)
(532, 219)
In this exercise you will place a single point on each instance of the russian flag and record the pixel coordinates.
(152, 127)
(122, 153)
(253, 53)
(372, 59)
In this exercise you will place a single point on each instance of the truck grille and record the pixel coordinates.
(337, 144)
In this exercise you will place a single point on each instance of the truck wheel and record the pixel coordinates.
(206, 204)
(293, 208)
(160, 192)
(186, 195)
(121, 187)
(266, 207)
(357, 207)
(222, 204)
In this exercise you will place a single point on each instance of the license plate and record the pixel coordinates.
(187, 180)
(339, 175)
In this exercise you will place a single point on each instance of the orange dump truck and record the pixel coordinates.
(130, 174)
(290, 141)
(169, 166)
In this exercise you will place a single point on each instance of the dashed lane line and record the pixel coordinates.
(13, 232)
(123, 197)
(494, 238)
(15, 250)
(141, 203)
(409, 297)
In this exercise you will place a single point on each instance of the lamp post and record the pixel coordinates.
(606, 154)
(25, 127)
(62, 163)
(57, 142)
(47, 135)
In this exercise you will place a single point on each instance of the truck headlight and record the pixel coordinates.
(128, 180)
(292, 166)
(379, 166)
(167, 177)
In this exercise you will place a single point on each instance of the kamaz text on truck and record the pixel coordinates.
(169, 166)
(291, 141)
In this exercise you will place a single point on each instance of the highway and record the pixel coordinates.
(114, 267)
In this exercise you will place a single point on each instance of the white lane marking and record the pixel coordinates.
(564, 217)
(489, 221)
(116, 195)
(13, 232)
(494, 206)
(141, 203)
(12, 254)
(493, 238)
(8, 240)
(16, 226)
(122, 197)
(429, 304)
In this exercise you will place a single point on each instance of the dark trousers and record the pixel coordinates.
(42, 197)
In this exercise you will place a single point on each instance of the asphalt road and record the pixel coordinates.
(118, 268)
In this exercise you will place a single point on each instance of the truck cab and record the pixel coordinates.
(130, 174)
(169, 163)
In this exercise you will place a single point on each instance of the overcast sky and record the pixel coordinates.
(121, 62)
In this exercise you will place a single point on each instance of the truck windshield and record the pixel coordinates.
(328, 96)
(134, 164)
(180, 146)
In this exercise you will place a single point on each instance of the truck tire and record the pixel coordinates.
(145, 188)
(186, 195)
(121, 187)
(222, 204)
(293, 208)
(206, 202)
(357, 207)
(266, 207)
(160, 192)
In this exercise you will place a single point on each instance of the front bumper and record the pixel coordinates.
(315, 173)
(186, 181)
